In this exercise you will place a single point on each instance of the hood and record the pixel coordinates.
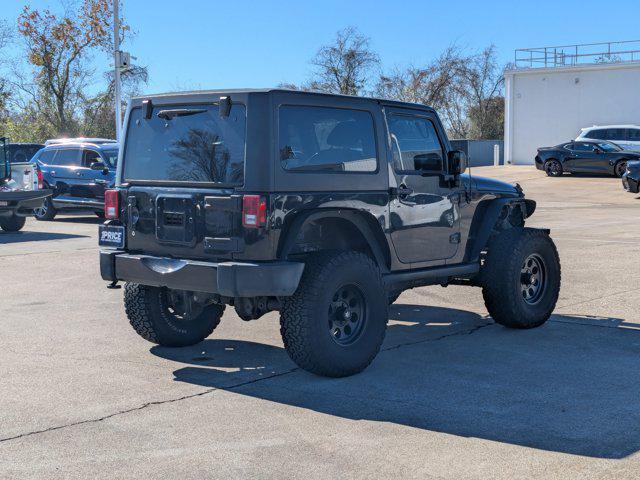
(485, 184)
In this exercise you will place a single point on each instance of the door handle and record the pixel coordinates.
(79, 174)
(52, 172)
(100, 181)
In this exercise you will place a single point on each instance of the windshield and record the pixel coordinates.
(111, 157)
(609, 147)
(186, 143)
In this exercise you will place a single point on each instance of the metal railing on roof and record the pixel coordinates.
(577, 55)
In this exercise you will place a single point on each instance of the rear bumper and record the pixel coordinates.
(229, 279)
(22, 203)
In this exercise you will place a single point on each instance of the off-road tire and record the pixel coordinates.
(502, 276)
(13, 223)
(304, 320)
(146, 309)
(49, 211)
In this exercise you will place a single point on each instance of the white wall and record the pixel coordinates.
(547, 106)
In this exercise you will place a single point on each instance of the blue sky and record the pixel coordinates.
(215, 44)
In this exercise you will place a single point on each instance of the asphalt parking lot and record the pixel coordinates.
(452, 395)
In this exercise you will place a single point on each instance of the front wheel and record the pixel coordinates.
(521, 278)
(335, 322)
(169, 317)
(13, 223)
(553, 168)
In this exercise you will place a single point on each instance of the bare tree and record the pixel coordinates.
(428, 85)
(484, 81)
(57, 48)
(344, 65)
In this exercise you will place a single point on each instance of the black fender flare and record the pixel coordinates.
(365, 222)
(487, 219)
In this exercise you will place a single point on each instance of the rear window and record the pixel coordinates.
(326, 139)
(186, 143)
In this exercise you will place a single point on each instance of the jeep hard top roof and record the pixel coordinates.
(175, 96)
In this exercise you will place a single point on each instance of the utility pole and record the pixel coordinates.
(118, 66)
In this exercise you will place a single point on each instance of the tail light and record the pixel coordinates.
(254, 211)
(111, 204)
(40, 178)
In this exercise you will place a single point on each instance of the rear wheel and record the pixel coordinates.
(169, 317)
(620, 168)
(335, 322)
(553, 168)
(13, 223)
(47, 211)
(521, 278)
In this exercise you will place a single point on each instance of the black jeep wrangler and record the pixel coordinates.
(322, 207)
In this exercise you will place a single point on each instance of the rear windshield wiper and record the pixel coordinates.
(179, 112)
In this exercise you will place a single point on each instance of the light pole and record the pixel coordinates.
(117, 63)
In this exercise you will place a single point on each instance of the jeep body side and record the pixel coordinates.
(249, 198)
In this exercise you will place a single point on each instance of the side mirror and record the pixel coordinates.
(99, 166)
(457, 162)
(428, 163)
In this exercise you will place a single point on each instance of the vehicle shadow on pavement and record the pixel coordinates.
(571, 386)
(27, 236)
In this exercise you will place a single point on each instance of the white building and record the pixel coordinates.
(558, 93)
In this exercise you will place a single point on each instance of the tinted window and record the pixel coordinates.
(414, 139)
(633, 134)
(21, 153)
(68, 157)
(197, 146)
(583, 147)
(326, 139)
(614, 134)
(596, 134)
(46, 156)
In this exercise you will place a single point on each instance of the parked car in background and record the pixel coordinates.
(586, 156)
(631, 177)
(626, 136)
(78, 173)
(20, 191)
(96, 141)
(22, 152)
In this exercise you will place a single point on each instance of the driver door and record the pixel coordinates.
(424, 211)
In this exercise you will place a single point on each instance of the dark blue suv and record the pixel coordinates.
(78, 173)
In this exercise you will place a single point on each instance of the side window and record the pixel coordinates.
(89, 157)
(46, 157)
(583, 147)
(68, 158)
(634, 134)
(326, 139)
(614, 134)
(415, 144)
(596, 134)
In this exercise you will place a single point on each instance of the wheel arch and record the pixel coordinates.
(493, 216)
(326, 229)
